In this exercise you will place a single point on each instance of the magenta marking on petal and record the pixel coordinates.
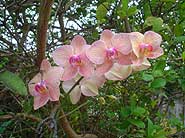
(75, 60)
(40, 88)
(111, 53)
(146, 48)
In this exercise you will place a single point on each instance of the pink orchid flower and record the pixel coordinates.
(118, 72)
(110, 49)
(45, 85)
(86, 87)
(147, 45)
(73, 58)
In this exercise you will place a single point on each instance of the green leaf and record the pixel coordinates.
(147, 11)
(125, 5)
(125, 112)
(13, 82)
(101, 12)
(159, 68)
(155, 22)
(158, 83)
(182, 83)
(183, 56)
(4, 125)
(122, 10)
(137, 123)
(138, 111)
(147, 77)
(132, 10)
(150, 128)
(168, 1)
(178, 30)
(180, 39)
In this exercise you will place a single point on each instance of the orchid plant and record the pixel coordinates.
(114, 57)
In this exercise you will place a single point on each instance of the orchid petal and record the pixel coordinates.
(62, 54)
(54, 92)
(67, 85)
(153, 39)
(87, 67)
(156, 53)
(124, 59)
(45, 65)
(106, 36)
(122, 43)
(97, 52)
(98, 80)
(54, 74)
(33, 82)
(89, 88)
(143, 66)
(103, 68)
(69, 73)
(75, 95)
(136, 39)
(40, 101)
(118, 72)
(77, 43)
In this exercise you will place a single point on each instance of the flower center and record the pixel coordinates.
(145, 48)
(41, 88)
(75, 60)
(112, 53)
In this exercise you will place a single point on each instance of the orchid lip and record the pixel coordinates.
(149, 47)
(40, 88)
(75, 60)
(111, 53)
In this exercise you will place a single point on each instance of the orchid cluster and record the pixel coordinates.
(113, 57)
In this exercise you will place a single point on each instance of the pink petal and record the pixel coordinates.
(62, 54)
(106, 36)
(118, 72)
(89, 88)
(153, 39)
(78, 42)
(136, 39)
(54, 74)
(135, 60)
(69, 73)
(143, 66)
(98, 80)
(87, 67)
(124, 59)
(54, 92)
(31, 84)
(156, 53)
(67, 85)
(103, 68)
(45, 65)
(97, 52)
(75, 95)
(40, 101)
(122, 43)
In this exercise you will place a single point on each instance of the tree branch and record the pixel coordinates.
(44, 14)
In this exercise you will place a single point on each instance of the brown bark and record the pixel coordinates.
(44, 14)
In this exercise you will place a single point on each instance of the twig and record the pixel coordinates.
(127, 25)
(74, 109)
(50, 121)
(77, 83)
